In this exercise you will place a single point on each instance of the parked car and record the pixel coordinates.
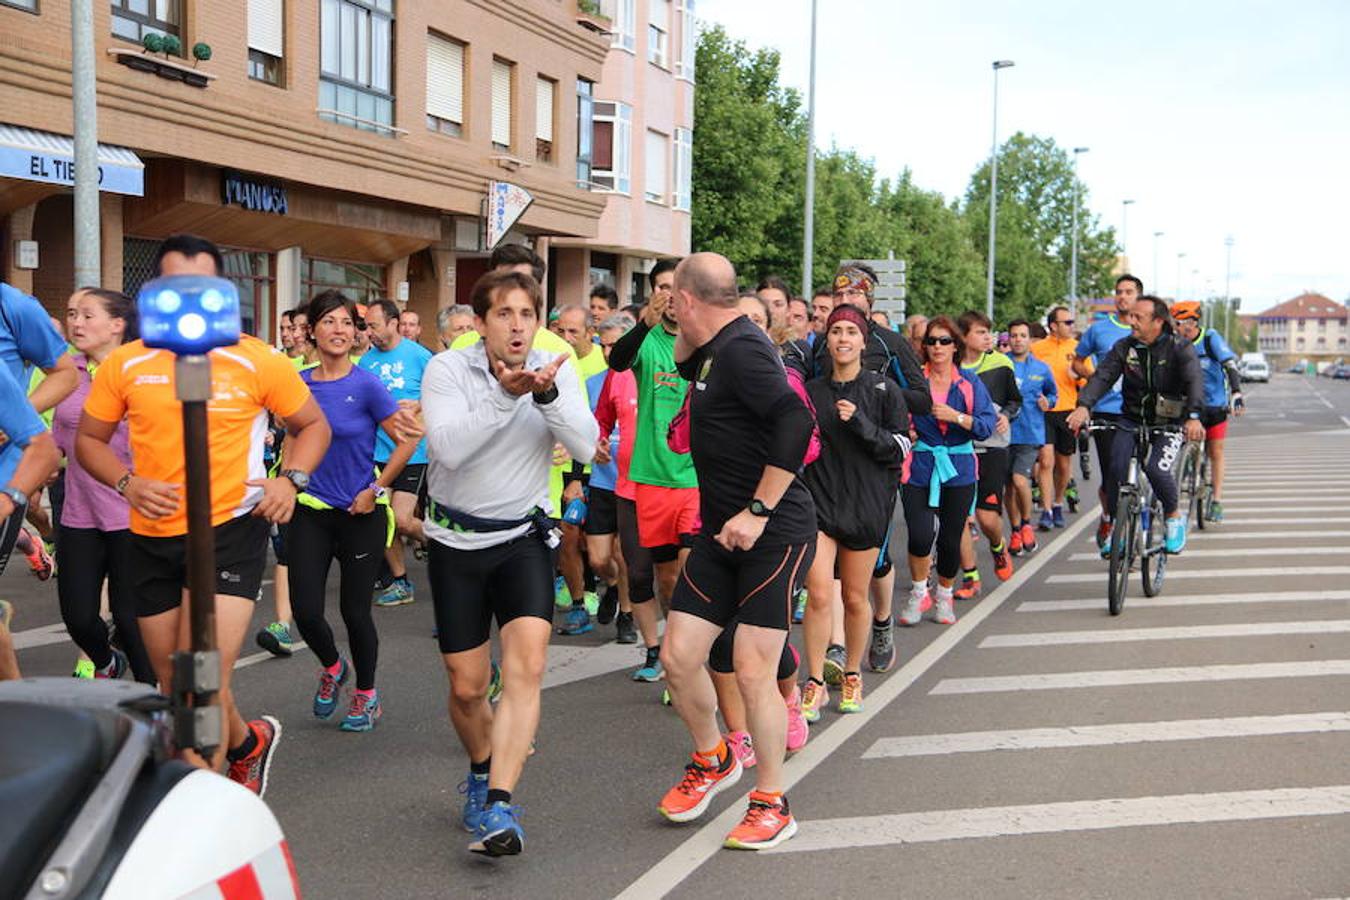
(1341, 371)
(1255, 370)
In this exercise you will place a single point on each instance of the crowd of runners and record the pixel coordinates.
(700, 472)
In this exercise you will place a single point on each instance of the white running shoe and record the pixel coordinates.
(944, 612)
(911, 613)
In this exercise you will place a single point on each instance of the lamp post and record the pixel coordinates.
(1156, 235)
(993, 192)
(1227, 282)
(1124, 228)
(1073, 262)
(809, 226)
(1180, 257)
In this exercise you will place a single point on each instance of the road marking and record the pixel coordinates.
(1256, 493)
(1191, 600)
(1050, 818)
(1106, 735)
(1346, 420)
(1209, 535)
(1272, 571)
(253, 659)
(1169, 633)
(1304, 506)
(706, 842)
(1291, 520)
(1264, 552)
(1053, 681)
(41, 636)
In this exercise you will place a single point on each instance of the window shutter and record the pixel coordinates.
(265, 29)
(543, 117)
(501, 103)
(445, 79)
(656, 167)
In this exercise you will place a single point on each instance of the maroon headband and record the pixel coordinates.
(847, 312)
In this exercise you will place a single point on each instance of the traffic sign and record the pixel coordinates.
(892, 280)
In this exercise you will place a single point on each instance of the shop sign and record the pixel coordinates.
(244, 192)
(506, 203)
(58, 168)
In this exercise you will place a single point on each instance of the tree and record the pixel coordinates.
(945, 274)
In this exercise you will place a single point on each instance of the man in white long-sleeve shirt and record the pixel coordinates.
(493, 413)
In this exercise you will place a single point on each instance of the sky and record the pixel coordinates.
(1217, 119)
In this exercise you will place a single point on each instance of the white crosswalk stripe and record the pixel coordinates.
(1241, 552)
(1169, 633)
(1260, 597)
(1054, 681)
(1174, 573)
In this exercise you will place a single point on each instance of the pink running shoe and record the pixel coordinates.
(798, 730)
(743, 747)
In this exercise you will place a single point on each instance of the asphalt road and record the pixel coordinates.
(1198, 745)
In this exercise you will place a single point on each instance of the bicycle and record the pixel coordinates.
(1196, 483)
(1140, 524)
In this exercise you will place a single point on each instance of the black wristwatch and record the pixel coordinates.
(296, 477)
(543, 398)
(122, 483)
(757, 508)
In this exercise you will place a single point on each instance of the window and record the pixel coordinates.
(266, 34)
(543, 118)
(585, 131)
(684, 169)
(1302, 323)
(658, 33)
(623, 15)
(501, 104)
(362, 283)
(445, 85)
(684, 66)
(134, 19)
(254, 276)
(657, 167)
(613, 150)
(356, 63)
(29, 5)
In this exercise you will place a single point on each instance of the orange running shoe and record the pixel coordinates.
(969, 589)
(767, 823)
(1015, 541)
(253, 770)
(703, 779)
(1003, 565)
(1028, 538)
(39, 560)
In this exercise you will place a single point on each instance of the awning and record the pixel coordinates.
(43, 156)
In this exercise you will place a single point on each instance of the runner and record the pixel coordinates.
(399, 364)
(409, 324)
(749, 431)
(799, 320)
(822, 304)
(774, 291)
(136, 383)
(1030, 457)
(284, 330)
(493, 414)
(302, 346)
(1058, 350)
(453, 321)
(343, 515)
(864, 439)
(29, 339)
(915, 326)
(603, 302)
(940, 475)
(1223, 388)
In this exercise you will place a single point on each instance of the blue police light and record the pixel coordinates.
(188, 314)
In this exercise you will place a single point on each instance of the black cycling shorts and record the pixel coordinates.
(469, 588)
(411, 480)
(752, 587)
(602, 513)
(158, 565)
(993, 478)
(1213, 415)
(1057, 432)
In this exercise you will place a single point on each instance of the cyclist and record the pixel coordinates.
(1161, 384)
(1223, 387)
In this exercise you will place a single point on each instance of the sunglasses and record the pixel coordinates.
(939, 341)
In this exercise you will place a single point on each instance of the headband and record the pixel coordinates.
(849, 313)
(851, 278)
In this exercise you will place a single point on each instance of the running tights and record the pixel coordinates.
(637, 558)
(1160, 467)
(84, 558)
(946, 524)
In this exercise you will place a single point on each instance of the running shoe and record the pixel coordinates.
(911, 613)
(1047, 521)
(1015, 541)
(1035, 493)
(944, 612)
(474, 788)
(835, 659)
(815, 697)
(1104, 551)
(591, 602)
(562, 597)
(969, 589)
(797, 730)
(84, 668)
(1176, 534)
(40, 562)
(1215, 511)
(744, 748)
(399, 593)
(252, 771)
(495, 683)
(608, 606)
(1058, 515)
(665, 697)
(6, 613)
(881, 653)
(116, 668)
(330, 689)
(651, 670)
(1104, 533)
(276, 639)
(850, 700)
(703, 779)
(364, 712)
(577, 621)
(767, 823)
(1028, 538)
(625, 632)
(799, 607)
(499, 831)
(1003, 565)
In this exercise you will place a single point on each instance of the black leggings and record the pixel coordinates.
(1160, 468)
(946, 523)
(636, 557)
(84, 557)
(316, 538)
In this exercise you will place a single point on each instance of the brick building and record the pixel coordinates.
(1309, 327)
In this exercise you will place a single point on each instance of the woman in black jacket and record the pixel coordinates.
(863, 434)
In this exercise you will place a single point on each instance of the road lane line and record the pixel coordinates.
(1107, 735)
(1211, 535)
(1264, 552)
(701, 846)
(1261, 597)
(1164, 633)
(1174, 574)
(1281, 493)
(1286, 520)
(41, 636)
(1054, 681)
(1053, 818)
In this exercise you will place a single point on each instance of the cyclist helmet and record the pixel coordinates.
(1186, 309)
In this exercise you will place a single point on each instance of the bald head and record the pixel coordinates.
(709, 278)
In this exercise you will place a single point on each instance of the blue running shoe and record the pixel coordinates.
(399, 593)
(577, 621)
(651, 670)
(365, 711)
(326, 697)
(562, 597)
(499, 831)
(1176, 534)
(474, 788)
(1058, 515)
(1047, 521)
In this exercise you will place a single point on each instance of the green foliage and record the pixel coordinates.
(201, 52)
(172, 45)
(153, 43)
(590, 7)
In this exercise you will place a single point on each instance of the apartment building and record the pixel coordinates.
(323, 143)
(1308, 327)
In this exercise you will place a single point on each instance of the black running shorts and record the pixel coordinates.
(158, 565)
(469, 588)
(602, 513)
(1057, 432)
(751, 587)
(993, 478)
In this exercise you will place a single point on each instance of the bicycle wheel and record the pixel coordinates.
(1206, 496)
(1122, 551)
(1153, 559)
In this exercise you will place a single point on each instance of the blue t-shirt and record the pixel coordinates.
(1034, 380)
(603, 475)
(354, 405)
(1096, 342)
(1216, 382)
(26, 334)
(400, 370)
(19, 422)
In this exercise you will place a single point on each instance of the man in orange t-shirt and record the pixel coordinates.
(1057, 350)
(249, 380)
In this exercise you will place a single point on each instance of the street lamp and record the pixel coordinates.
(1124, 229)
(1156, 235)
(1073, 262)
(993, 191)
(1227, 281)
(809, 226)
(1180, 257)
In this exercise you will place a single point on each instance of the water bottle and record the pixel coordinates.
(575, 514)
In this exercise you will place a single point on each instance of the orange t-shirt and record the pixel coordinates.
(248, 380)
(1059, 355)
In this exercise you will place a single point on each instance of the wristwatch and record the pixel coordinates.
(757, 508)
(296, 477)
(18, 497)
(543, 398)
(380, 490)
(122, 483)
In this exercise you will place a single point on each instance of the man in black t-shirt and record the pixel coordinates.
(748, 433)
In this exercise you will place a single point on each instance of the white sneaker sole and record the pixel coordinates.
(693, 813)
